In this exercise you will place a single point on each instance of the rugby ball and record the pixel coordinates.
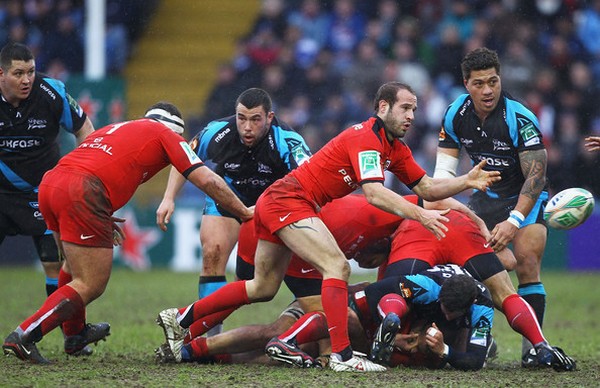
(569, 208)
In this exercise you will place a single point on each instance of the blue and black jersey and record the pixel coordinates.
(509, 129)
(28, 146)
(250, 170)
(421, 292)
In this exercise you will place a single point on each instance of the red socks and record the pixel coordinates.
(521, 318)
(334, 296)
(206, 323)
(64, 303)
(392, 303)
(310, 327)
(232, 295)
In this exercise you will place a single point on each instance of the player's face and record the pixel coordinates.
(399, 117)
(16, 82)
(252, 124)
(484, 86)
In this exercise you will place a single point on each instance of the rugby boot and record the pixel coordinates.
(358, 363)
(91, 334)
(383, 343)
(22, 349)
(283, 351)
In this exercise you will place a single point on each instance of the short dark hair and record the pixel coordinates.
(458, 292)
(253, 97)
(172, 109)
(14, 52)
(481, 58)
(389, 93)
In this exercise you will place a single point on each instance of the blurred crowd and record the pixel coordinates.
(322, 61)
(55, 32)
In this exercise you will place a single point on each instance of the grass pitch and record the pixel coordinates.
(132, 301)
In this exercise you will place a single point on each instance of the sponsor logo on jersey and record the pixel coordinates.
(222, 134)
(464, 107)
(36, 124)
(75, 106)
(252, 182)
(34, 205)
(194, 144)
(48, 91)
(442, 134)
(232, 166)
(347, 178)
(369, 163)
(263, 168)
(500, 145)
(405, 291)
(192, 157)
(494, 161)
(20, 143)
(97, 144)
(466, 142)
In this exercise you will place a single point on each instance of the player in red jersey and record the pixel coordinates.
(78, 198)
(286, 215)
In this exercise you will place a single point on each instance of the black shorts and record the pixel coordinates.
(495, 210)
(20, 215)
(300, 287)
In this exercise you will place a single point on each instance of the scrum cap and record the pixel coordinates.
(172, 121)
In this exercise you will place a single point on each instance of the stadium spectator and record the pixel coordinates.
(250, 150)
(35, 105)
(492, 126)
(78, 198)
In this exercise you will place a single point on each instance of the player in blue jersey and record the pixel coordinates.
(33, 109)
(491, 125)
(250, 150)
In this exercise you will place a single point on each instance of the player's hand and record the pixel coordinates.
(433, 220)
(480, 179)
(249, 214)
(118, 234)
(434, 338)
(502, 235)
(164, 212)
(592, 143)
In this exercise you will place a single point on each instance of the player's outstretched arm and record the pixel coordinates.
(387, 200)
(84, 131)
(215, 187)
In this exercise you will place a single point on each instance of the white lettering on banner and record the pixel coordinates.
(187, 251)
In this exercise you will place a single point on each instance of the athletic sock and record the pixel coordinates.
(209, 284)
(63, 304)
(535, 295)
(196, 348)
(206, 323)
(334, 296)
(309, 328)
(51, 285)
(232, 295)
(392, 303)
(521, 318)
(76, 324)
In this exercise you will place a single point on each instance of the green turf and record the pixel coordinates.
(132, 301)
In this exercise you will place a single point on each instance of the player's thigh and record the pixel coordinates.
(218, 236)
(529, 243)
(90, 268)
(270, 263)
(313, 242)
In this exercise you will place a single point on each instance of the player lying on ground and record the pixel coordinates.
(361, 230)
(413, 251)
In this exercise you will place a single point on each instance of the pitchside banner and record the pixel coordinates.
(146, 246)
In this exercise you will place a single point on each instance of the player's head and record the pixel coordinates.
(17, 72)
(457, 295)
(395, 104)
(481, 77)
(253, 115)
(167, 114)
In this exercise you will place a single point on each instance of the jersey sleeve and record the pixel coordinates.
(473, 357)
(180, 153)
(405, 167)
(447, 137)
(72, 116)
(366, 157)
(292, 148)
(524, 127)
